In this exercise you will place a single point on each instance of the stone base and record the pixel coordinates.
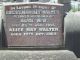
(37, 55)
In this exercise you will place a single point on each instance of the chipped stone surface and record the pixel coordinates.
(37, 55)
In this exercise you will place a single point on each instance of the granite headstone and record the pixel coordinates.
(33, 25)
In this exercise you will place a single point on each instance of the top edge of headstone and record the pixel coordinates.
(18, 3)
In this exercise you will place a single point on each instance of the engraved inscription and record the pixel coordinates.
(33, 25)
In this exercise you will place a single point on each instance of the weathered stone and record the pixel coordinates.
(37, 55)
(72, 32)
(1, 17)
(33, 25)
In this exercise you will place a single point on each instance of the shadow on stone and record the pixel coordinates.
(4, 38)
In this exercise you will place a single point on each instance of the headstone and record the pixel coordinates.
(37, 55)
(72, 32)
(33, 25)
(1, 8)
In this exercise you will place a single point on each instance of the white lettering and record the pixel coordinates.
(31, 29)
(15, 29)
(28, 33)
(15, 34)
(48, 29)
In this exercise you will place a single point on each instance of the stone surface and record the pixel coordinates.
(1, 8)
(33, 25)
(72, 32)
(78, 58)
(37, 55)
